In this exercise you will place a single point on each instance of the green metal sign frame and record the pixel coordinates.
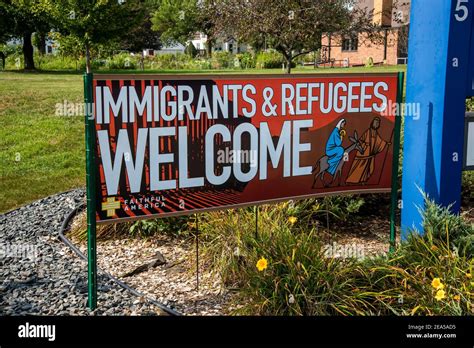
(395, 164)
(91, 193)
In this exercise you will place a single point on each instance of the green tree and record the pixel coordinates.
(96, 21)
(179, 20)
(142, 35)
(20, 19)
(292, 27)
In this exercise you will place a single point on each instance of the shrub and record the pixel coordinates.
(191, 50)
(14, 61)
(222, 60)
(369, 63)
(470, 104)
(122, 61)
(171, 226)
(176, 226)
(9, 49)
(246, 60)
(170, 61)
(310, 57)
(271, 60)
(449, 228)
(342, 207)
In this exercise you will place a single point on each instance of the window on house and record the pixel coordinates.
(350, 44)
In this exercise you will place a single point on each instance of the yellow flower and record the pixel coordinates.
(469, 275)
(436, 283)
(440, 294)
(457, 298)
(292, 219)
(434, 248)
(262, 264)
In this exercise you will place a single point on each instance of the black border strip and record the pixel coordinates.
(469, 118)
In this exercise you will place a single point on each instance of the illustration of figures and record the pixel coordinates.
(364, 163)
(332, 162)
(334, 150)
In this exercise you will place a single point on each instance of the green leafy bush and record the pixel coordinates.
(122, 61)
(271, 60)
(222, 60)
(470, 104)
(369, 63)
(171, 226)
(343, 206)
(10, 49)
(176, 226)
(191, 50)
(246, 60)
(452, 229)
(170, 61)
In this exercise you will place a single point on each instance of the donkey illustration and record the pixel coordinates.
(323, 165)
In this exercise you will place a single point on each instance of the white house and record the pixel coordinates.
(168, 49)
(221, 45)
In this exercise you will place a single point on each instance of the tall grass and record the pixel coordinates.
(302, 279)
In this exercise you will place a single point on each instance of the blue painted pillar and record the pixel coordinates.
(437, 75)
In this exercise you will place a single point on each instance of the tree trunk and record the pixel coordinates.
(288, 64)
(209, 48)
(41, 43)
(28, 51)
(88, 59)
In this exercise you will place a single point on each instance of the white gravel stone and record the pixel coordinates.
(54, 282)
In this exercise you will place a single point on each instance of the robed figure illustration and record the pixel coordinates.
(334, 149)
(364, 162)
(333, 161)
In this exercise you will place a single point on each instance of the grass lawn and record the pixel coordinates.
(42, 154)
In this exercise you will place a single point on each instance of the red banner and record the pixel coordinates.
(169, 145)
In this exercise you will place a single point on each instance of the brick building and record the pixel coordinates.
(391, 48)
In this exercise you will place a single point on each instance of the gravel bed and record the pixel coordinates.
(40, 275)
(174, 283)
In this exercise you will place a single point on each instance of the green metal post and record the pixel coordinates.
(91, 193)
(395, 163)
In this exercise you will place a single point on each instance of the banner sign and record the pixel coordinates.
(174, 144)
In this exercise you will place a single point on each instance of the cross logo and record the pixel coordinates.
(110, 205)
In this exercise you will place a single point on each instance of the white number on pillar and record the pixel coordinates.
(461, 8)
